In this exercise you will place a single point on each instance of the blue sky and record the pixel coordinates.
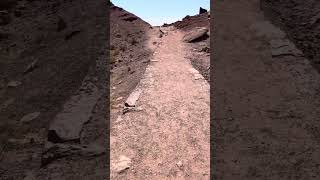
(157, 12)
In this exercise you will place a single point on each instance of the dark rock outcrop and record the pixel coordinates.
(202, 10)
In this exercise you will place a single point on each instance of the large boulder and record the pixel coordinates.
(196, 35)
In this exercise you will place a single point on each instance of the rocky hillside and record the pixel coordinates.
(189, 22)
(47, 49)
(200, 48)
(129, 53)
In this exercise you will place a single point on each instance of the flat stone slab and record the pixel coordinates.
(283, 47)
(195, 35)
(133, 97)
(68, 124)
(56, 151)
(280, 45)
(121, 164)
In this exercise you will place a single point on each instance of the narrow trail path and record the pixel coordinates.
(168, 138)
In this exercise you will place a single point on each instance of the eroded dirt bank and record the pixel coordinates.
(265, 98)
(52, 51)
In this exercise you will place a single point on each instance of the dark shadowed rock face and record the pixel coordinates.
(202, 10)
(7, 4)
(301, 20)
(43, 63)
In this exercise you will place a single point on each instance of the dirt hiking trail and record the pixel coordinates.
(167, 134)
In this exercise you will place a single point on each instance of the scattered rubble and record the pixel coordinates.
(68, 124)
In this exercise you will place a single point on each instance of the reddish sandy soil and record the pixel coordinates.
(168, 138)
